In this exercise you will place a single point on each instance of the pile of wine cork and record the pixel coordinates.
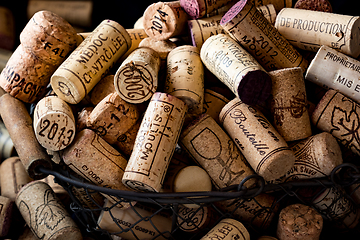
(199, 96)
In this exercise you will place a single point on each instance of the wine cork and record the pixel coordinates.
(162, 47)
(299, 221)
(193, 220)
(289, 104)
(228, 229)
(278, 4)
(75, 12)
(263, 147)
(337, 208)
(89, 199)
(185, 77)
(25, 76)
(112, 117)
(316, 157)
(136, 36)
(309, 30)
(236, 68)
(13, 177)
(96, 161)
(54, 123)
(269, 12)
(213, 103)
(130, 223)
(221, 10)
(125, 142)
(209, 145)
(332, 69)
(163, 20)
(314, 5)
(82, 117)
(90, 61)
(139, 23)
(199, 8)
(59, 191)
(19, 125)
(267, 238)
(104, 87)
(258, 212)
(334, 114)
(44, 213)
(7, 148)
(260, 38)
(49, 37)
(6, 211)
(136, 80)
(7, 29)
(155, 143)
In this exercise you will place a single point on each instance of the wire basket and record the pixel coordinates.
(172, 205)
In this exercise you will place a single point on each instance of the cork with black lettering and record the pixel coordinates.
(199, 8)
(228, 229)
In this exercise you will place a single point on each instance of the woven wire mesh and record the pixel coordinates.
(338, 217)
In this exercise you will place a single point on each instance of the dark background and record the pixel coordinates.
(127, 12)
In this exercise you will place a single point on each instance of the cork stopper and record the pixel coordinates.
(162, 47)
(228, 229)
(54, 123)
(314, 5)
(213, 103)
(104, 87)
(299, 221)
(199, 8)
(163, 20)
(49, 37)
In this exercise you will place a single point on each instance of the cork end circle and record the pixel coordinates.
(232, 12)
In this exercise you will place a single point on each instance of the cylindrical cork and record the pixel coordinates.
(221, 10)
(309, 30)
(49, 37)
(209, 145)
(131, 224)
(289, 104)
(266, 238)
(199, 8)
(54, 123)
(44, 213)
(7, 29)
(337, 114)
(78, 13)
(334, 205)
(90, 61)
(19, 124)
(278, 4)
(6, 211)
(82, 116)
(25, 76)
(139, 23)
(163, 20)
(95, 160)
(316, 157)
(185, 77)
(136, 36)
(136, 80)
(104, 87)
(299, 222)
(263, 147)
(259, 211)
(260, 38)
(155, 143)
(13, 177)
(7, 148)
(269, 12)
(236, 68)
(315, 5)
(213, 103)
(332, 69)
(162, 47)
(192, 220)
(228, 229)
(125, 142)
(112, 117)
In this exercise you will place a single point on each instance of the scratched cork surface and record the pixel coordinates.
(315, 5)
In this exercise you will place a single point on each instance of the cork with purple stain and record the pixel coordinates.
(199, 8)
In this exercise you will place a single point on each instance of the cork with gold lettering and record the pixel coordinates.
(210, 146)
(136, 80)
(163, 20)
(228, 229)
(236, 68)
(13, 176)
(112, 117)
(263, 147)
(309, 30)
(260, 38)
(54, 123)
(155, 143)
(90, 61)
(289, 104)
(20, 127)
(338, 114)
(44, 213)
(185, 78)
